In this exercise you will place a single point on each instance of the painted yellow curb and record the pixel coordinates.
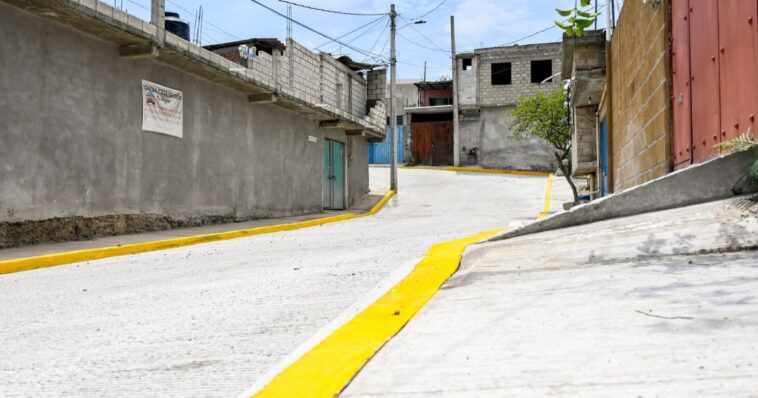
(478, 170)
(325, 370)
(51, 260)
(548, 197)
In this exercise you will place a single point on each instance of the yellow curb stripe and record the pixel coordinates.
(51, 260)
(326, 369)
(478, 170)
(548, 198)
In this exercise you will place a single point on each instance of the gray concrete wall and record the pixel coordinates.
(71, 142)
(467, 81)
(499, 148)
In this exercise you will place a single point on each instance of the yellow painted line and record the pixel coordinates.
(548, 198)
(478, 170)
(327, 368)
(51, 260)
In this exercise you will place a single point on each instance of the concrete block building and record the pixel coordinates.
(86, 150)
(489, 81)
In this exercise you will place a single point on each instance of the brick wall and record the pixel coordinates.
(520, 58)
(641, 109)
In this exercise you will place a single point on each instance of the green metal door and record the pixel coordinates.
(334, 175)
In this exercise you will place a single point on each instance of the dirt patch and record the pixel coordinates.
(22, 233)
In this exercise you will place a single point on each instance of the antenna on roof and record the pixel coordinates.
(289, 22)
(198, 26)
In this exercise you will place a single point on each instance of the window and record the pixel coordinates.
(542, 71)
(468, 64)
(440, 101)
(501, 74)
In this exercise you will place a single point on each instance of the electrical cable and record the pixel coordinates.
(387, 25)
(373, 22)
(419, 45)
(430, 11)
(324, 35)
(358, 14)
(426, 37)
(214, 27)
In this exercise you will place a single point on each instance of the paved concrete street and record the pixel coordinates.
(213, 319)
(659, 304)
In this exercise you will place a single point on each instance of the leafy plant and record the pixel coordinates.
(545, 116)
(578, 19)
(744, 141)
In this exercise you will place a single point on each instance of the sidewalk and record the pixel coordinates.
(659, 304)
(361, 206)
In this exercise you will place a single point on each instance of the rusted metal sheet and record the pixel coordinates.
(738, 51)
(704, 78)
(432, 143)
(680, 70)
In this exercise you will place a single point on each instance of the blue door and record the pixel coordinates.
(379, 152)
(604, 189)
(334, 175)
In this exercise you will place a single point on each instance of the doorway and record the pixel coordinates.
(334, 175)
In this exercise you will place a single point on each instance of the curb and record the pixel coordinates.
(326, 369)
(478, 170)
(719, 178)
(51, 260)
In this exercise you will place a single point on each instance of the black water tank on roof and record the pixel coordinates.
(176, 26)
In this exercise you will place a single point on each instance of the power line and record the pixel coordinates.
(426, 38)
(373, 22)
(333, 11)
(419, 45)
(214, 27)
(430, 11)
(530, 35)
(358, 50)
(379, 38)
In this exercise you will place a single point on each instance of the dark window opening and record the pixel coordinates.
(468, 64)
(431, 117)
(440, 101)
(542, 71)
(501, 74)
(399, 120)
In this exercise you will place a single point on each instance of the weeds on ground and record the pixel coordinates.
(744, 141)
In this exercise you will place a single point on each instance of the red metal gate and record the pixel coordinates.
(680, 70)
(714, 74)
(738, 46)
(704, 78)
(432, 143)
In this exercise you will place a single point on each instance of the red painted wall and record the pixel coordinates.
(427, 95)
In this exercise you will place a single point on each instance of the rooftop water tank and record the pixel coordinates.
(176, 26)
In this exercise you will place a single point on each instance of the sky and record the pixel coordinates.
(478, 23)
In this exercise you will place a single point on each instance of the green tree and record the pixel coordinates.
(578, 19)
(545, 116)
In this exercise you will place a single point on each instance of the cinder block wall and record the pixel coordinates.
(641, 122)
(520, 58)
(377, 85)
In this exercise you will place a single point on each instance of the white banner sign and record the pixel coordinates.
(162, 109)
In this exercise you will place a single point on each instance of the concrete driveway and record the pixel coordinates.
(214, 319)
(660, 304)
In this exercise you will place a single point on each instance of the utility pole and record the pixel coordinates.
(456, 137)
(424, 70)
(393, 102)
